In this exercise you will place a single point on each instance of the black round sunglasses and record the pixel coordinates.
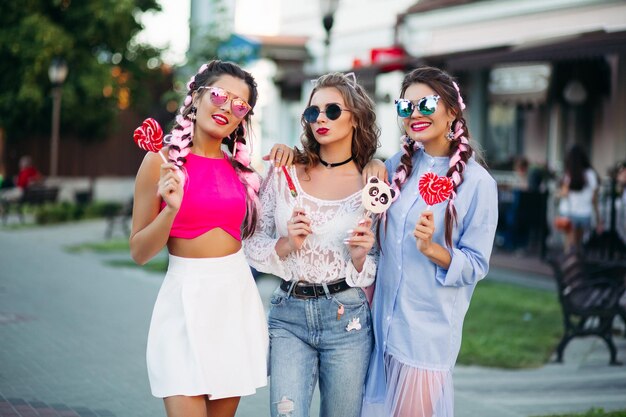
(332, 111)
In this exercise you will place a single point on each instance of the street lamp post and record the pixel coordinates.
(329, 7)
(57, 73)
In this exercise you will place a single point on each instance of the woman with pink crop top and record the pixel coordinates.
(208, 339)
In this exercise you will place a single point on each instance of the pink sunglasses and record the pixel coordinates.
(219, 96)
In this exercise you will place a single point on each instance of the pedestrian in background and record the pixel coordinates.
(314, 234)
(578, 198)
(208, 341)
(431, 257)
(27, 175)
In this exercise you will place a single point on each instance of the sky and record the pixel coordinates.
(169, 28)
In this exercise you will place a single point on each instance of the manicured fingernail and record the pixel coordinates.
(349, 230)
(362, 222)
(272, 161)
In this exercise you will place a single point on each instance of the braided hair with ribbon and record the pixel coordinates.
(460, 149)
(180, 140)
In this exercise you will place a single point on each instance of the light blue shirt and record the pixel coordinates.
(419, 307)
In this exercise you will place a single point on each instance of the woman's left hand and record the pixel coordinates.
(360, 240)
(280, 155)
(424, 230)
(375, 168)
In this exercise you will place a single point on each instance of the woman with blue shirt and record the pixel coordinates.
(431, 257)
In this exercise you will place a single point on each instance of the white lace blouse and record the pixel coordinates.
(324, 257)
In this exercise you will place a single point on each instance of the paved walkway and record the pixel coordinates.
(73, 333)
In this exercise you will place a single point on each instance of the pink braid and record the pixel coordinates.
(461, 103)
(457, 164)
(403, 171)
(456, 161)
(242, 154)
(241, 161)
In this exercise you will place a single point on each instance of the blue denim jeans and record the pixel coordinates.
(308, 341)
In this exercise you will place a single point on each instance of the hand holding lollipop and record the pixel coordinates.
(434, 190)
(376, 198)
(149, 137)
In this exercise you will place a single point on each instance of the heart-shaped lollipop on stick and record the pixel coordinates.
(149, 137)
(434, 189)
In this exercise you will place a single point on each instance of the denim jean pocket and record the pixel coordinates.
(351, 298)
(278, 297)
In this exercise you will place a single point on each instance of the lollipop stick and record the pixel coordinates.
(163, 157)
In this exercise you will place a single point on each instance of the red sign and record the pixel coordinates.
(390, 59)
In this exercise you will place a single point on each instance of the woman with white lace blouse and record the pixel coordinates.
(313, 233)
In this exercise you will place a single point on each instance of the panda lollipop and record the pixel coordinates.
(377, 196)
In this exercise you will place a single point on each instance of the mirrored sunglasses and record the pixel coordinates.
(425, 105)
(219, 96)
(332, 111)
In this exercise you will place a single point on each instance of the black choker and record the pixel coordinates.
(327, 165)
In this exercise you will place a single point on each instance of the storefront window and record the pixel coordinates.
(503, 140)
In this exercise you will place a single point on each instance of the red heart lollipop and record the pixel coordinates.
(149, 136)
(434, 189)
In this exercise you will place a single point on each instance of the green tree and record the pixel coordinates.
(107, 69)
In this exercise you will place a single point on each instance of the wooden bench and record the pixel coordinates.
(589, 295)
(35, 195)
(121, 217)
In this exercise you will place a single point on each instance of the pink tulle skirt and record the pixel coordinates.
(414, 392)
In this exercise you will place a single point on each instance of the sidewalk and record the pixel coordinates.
(73, 333)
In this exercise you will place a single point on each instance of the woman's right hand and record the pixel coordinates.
(375, 168)
(280, 155)
(298, 228)
(170, 187)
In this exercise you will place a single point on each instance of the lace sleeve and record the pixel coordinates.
(260, 248)
(366, 277)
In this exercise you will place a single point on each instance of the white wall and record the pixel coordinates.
(495, 23)
(359, 26)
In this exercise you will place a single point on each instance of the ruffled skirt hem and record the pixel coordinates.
(413, 392)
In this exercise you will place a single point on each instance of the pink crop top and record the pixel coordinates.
(214, 197)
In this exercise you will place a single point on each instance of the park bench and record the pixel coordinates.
(589, 295)
(119, 216)
(34, 195)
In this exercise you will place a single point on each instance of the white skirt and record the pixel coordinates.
(208, 334)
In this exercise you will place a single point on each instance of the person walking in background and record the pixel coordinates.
(521, 171)
(208, 340)
(431, 258)
(314, 234)
(578, 198)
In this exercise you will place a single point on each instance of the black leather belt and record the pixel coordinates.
(303, 290)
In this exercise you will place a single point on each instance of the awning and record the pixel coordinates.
(584, 46)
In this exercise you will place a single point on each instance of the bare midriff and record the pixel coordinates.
(215, 243)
